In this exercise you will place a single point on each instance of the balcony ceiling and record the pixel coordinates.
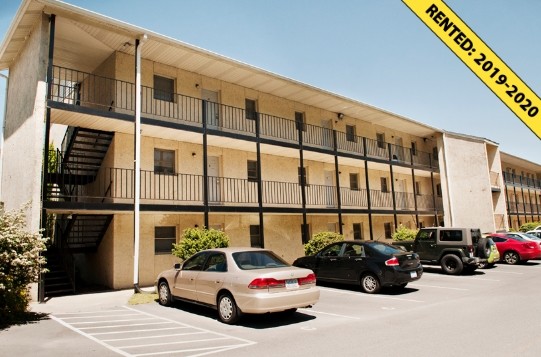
(84, 39)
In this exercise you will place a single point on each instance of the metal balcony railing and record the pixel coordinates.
(521, 181)
(116, 185)
(100, 93)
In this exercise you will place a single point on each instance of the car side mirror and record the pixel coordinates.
(178, 266)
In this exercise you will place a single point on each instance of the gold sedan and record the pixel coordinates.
(239, 280)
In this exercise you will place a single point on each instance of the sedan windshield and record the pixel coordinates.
(258, 260)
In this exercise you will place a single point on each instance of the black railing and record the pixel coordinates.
(106, 94)
(116, 185)
(521, 181)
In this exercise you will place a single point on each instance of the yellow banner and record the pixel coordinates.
(475, 54)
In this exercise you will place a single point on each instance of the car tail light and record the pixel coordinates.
(392, 262)
(266, 283)
(470, 249)
(528, 245)
(310, 279)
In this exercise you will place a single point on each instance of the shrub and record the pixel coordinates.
(529, 226)
(320, 240)
(20, 262)
(197, 239)
(403, 233)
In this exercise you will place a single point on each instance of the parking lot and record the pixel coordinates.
(492, 312)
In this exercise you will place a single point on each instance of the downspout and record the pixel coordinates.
(137, 163)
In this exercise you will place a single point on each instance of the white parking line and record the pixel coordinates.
(146, 344)
(367, 295)
(330, 314)
(437, 287)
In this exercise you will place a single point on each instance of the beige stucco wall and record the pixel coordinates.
(466, 183)
(24, 126)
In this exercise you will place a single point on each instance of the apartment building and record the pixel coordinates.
(129, 137)
(522, 180)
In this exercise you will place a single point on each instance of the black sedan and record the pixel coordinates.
(369, 263)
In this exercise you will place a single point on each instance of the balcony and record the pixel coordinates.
(102, 96)
(521, 181)
(116, 186)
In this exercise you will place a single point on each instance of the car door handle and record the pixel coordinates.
(333, 259)
(358, 259)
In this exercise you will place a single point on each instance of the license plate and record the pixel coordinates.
(413, 274)
(292, 284)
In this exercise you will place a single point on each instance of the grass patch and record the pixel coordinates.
(138, 298)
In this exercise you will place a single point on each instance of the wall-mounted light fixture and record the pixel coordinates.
(193, 153)
(340, 116)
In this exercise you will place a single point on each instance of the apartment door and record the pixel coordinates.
(327, 138)
(212, 106)
(398, 150)
(213, 171)
(329, 188)
(400, 194)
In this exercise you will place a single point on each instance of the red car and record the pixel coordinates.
(514, 249)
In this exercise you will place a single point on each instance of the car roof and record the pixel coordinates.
(235, 249)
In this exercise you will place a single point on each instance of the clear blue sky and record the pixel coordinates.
(376, 52)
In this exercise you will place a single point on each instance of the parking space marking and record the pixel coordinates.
(437, 287)
(368, 295)
(160, 335)
(308, 311)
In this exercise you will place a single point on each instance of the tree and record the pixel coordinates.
(197, 239)
(403, 233)
(20, 262)
(529, 226)
(320, 241)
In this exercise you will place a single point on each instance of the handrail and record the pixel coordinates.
(102, 93)
(116, 185)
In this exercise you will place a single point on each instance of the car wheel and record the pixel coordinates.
(164, 294)
(511, 258)
(228, 312)
(370, 283)
(451, 264)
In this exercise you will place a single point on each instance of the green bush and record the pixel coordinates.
(403, 233)
(529, 226)
(320, 240)
(197, 239)
(20, 263)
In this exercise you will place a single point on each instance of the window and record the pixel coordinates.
(383, 181)
(300, 123)
(450, 236)
(164, 161)
(438, 190)
(255, 237)
(252, 170)
(196, 262)
(351, 133)
(164, 238)
(380, 138)
(413, 148)
(354, 182)
(332, 251)
(305, 233)
(164, 88)
(435, 153)
(251, 111)
(427, 235)
(417, 188)
(216, 262)
(388, 230)
(357, 231)
(302, 175)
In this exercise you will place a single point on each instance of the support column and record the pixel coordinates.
(368, 199)
(259, 180)
(337, 175)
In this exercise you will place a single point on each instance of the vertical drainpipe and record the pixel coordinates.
(516, 201)
(137, 163)
(436, 223)
(368, 199)
(337, 174)
(259, 179)
(507, 204)
(49, 79)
